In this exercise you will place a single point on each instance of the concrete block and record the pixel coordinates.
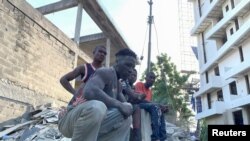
(29, 21)
(146, 129)
(7, 5)
(5, 63)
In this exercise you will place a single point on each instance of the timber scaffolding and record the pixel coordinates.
(110, 37)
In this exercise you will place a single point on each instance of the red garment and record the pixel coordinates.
(140, 88)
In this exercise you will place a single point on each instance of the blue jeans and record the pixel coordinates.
(157, 121)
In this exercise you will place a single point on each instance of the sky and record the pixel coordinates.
(130, 18)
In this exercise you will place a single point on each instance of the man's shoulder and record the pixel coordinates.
(106, 74)
(82, 66)
(105, 71)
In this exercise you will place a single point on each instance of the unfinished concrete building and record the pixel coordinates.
(34, 53)
(222, 28)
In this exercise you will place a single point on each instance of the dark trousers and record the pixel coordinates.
(136, 130)
(157, 121)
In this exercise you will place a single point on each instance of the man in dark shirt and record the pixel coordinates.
(85, 70)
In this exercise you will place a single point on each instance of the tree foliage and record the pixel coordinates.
(168, 87)
(204, 131)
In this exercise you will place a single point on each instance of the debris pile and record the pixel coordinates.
(40, 124)
(37, 125)
(175, 133)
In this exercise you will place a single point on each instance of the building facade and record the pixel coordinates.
(223, 28)
(186, 22)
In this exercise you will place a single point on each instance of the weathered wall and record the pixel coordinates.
(34, 54)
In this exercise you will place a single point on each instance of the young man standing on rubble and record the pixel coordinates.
(104, 115)
(85, 70)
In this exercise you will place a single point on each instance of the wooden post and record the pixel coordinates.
(77, 34)
(78, 30)
(107, 63)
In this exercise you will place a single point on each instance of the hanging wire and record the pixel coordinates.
(141, 57)
(161, 69)
(156, 34)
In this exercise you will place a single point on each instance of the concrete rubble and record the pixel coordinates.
(175, 133)
(41, 125)
(38, 125)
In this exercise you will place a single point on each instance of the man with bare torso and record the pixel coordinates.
(104, 115)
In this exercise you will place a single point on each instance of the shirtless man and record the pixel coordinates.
(105, 115)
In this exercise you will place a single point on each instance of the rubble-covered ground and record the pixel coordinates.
(175, 133)
(41, 125)
(38, 125)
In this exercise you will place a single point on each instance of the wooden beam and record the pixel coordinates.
(7, 131)
(92, 37)
(97, 14)
(78, 23)
(57, 6)
(107, 63)
(77, 30)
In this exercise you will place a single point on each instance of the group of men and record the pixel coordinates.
(107, 103)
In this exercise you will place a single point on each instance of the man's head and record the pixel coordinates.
(125, 63)
(99, 53)
(132, 77)
(150, 79)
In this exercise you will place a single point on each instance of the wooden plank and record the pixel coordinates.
(41, 113)
(28, 133)
(78, 31)
(7, 131)
(78, 23)
(92, 37)
(107, 63)
(57, 6)
(37, 134)
(98, 15)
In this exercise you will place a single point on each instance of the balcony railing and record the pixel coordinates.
(208, 10)
(214, 84)
(238, 70)
(220, 27)
(239, 102)
(236, 39)
(218, 107)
